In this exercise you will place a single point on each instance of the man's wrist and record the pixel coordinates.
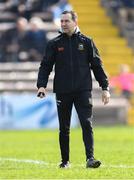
(105, 88)
(41, 87)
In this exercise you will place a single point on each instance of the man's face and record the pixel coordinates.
(67, 24)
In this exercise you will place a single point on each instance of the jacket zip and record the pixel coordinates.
(71, 61)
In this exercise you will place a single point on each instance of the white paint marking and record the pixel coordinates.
(23, 160)
(119, 166)
(110, 166)
(55, 164)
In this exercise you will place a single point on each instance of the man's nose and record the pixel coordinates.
(63, 23)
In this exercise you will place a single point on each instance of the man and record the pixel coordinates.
(74, 55)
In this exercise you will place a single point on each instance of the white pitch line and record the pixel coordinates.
(119, 166)
(23, 160)
(109, 166)
(55, 164)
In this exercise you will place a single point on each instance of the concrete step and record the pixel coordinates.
(21, 66)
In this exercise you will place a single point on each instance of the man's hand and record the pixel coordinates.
(41, 92)
(105, 97)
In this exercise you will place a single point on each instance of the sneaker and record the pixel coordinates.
(93, 163)
(64, 165)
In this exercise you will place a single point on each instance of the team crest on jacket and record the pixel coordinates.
(80, 47)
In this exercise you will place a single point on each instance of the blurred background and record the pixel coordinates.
(25, 28)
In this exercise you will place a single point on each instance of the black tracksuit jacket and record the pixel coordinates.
(73, 57)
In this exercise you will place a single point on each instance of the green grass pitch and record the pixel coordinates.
(35, 154)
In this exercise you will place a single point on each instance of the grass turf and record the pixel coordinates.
(114, 146)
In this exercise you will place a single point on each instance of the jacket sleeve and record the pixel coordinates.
(46, 65)
(97, 67)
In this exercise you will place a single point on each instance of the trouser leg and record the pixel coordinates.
(83, 107)
(64, 107)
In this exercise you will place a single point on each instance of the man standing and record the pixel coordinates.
(74, 56)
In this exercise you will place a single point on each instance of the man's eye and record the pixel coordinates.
(66, 21)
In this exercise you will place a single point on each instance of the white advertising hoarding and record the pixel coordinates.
(26, 111)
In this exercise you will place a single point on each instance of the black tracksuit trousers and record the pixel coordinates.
(83, 105)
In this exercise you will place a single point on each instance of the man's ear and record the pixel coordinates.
(76, 23)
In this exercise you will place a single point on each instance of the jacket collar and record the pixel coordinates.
(76, 31)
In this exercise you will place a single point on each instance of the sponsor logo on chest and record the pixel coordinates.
(60, 49)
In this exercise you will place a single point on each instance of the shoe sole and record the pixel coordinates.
(66, 167)
(95, 165)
